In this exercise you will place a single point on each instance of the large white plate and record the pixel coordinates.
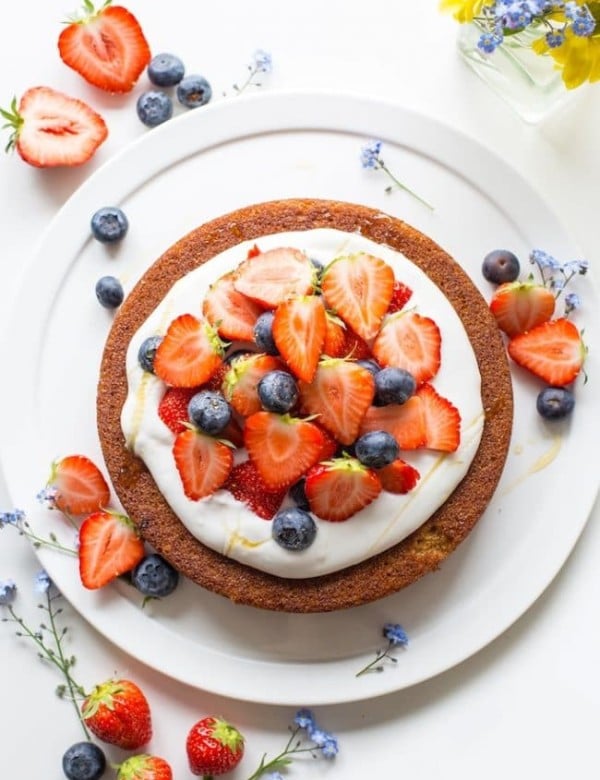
(247, 150)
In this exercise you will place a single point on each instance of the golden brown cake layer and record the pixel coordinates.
(418, 554)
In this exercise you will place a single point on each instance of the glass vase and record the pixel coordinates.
(530, 83)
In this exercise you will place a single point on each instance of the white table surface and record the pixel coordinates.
(527, 705)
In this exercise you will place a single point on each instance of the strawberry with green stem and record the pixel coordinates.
(214, 747)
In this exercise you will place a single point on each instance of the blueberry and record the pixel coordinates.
(147, 352)
(109, 224)
(370, 365)
(393, 386)
(165, 70)
(293, 529)
(194, 91)
(84, 761)
(278, 391)
(377, 449)
(153, 576)
(109, 292)
(500, 266)
(298, 494)
(209, 411)
(263, 333)
(154, 107)
(553, 403)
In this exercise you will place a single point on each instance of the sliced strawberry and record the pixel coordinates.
(282, 447)
(189, 354)
(442, 420)
(399, 477)
(340, 394)
(241, 381)
(231, 313)
(356, 347)
(50, 129)
(272, 276)
(299, 329)
(334, 344)
(233, 433)
(401, 295)
(330, 444)
(246, 484)
(359, 289)
(107, 47)
(340, 488)
(215, 383)
(408, 340)
(405, 422)
(520, 306)
(203, 463)
(173, 407)
(554, 351)
(109, 545)
(254, 251)
(79, 485)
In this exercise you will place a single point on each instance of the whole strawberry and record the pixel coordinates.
(117, 712)
(214, 747)
(144, 767)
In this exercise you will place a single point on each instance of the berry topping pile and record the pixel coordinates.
(301, 389)
(541, 339)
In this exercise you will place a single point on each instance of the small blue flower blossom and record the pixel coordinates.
(544, 260)
(330, 748)
(320, 737)
(15, 518)
(572, 301)
(262, 61)
(305, 719)
(395, 634)
(488, 42)
(42, 583)
(274, 776)
(47, 497)
(557, 284)
(555, 38)
(571, 10)
(369, 154)
(584, 25)
(8, 592)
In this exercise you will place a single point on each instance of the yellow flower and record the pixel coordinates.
(578, 57)
(463, 10)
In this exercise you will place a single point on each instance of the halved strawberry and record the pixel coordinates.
(50, 129)
(282, 447)
(274, 275)
(340, 488)
(442, 420)
(405, 422)
(330, 444)
(334, 344)
(340, 394)
(203, 463)
(246, 484)
(400, 297)
(299, 329)
(79, 485)
(231, 313)
(241, 381)
(109, 545)
(233, 433)
(106, 46)
(356, 347)
(215, 383)
(399, 477)
(173, 407)
(254, 251)
(408, 340)
(189, 354)
(359, 289)
(554, 351)
(520, 306)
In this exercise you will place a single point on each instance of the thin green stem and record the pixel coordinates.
(52, 544)
(65, 664)
(282, 759)
(373, 666)
(253, 70)
(401, 186)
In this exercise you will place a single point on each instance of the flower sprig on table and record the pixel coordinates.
(568, 31)
(16, 519)
(556, 276)
(262, 62)
(370, 158)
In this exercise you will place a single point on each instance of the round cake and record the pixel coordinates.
(217, 541)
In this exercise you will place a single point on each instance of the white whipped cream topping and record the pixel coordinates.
(227, 525)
